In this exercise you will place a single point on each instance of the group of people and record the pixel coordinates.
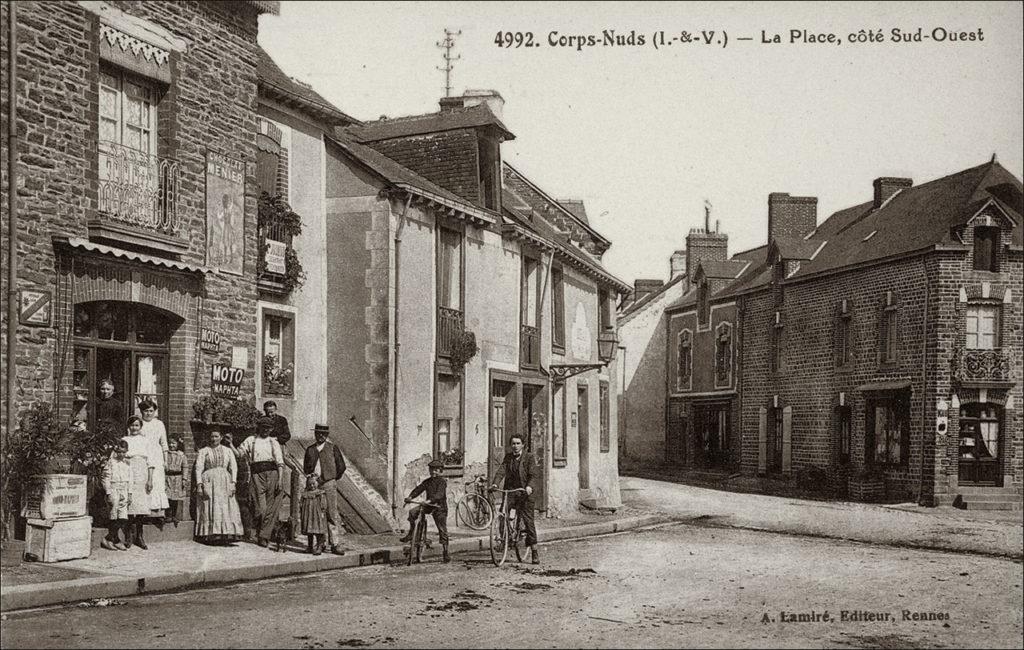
(239, 491)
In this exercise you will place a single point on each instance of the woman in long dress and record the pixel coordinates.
(156, 432)
(142, 457)
(217, 519)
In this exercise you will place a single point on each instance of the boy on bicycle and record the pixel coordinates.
(517, 471)
(437, 494)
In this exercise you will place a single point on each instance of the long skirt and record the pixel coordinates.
(217, 514)
(137, 489)
(158, 496)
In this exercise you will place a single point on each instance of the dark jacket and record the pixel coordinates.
(436, 489)
(312, 455)
(281, 430)
(521, 479)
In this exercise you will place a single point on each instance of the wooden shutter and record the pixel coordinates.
(787, 440)
(762, 441)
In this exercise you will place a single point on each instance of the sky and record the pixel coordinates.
(645, 135)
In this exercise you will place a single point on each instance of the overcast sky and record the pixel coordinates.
(645, 135)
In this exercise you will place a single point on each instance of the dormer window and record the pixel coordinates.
(986, 244)
(684, 360)
(703, 304)
(489, 161)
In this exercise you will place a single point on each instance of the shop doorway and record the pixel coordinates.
(711, 426)
(980, 445)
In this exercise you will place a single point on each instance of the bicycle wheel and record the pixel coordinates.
(499, 539)
(416, 543)
(474, 511)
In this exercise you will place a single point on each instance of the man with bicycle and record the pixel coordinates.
(517, 469)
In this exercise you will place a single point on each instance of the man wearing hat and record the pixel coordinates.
(437, 494)
(324, 459)
(266, 462)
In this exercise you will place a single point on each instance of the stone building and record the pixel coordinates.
(136, 203)
(881, 348)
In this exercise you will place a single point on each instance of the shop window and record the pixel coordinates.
(982, 327)
(558, 438)
(605, 418)
(888, 431)
(448, 421)
(986, 243)
(684, 360)
(557, 309)
(278, 353)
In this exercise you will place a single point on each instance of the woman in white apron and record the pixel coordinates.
(156, 433)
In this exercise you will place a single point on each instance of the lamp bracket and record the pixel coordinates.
(561, 371)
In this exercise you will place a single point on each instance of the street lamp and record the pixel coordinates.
(607, 342)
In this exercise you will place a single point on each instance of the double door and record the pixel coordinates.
(136, 376)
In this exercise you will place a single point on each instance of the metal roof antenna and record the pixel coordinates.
(447, 44)
(994, 157)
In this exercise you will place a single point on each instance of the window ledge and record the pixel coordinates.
(453, 472)
(559, 462)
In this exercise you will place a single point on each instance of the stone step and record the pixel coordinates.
(995, 498)
(170, 533)
(992, 505)
(987, 489)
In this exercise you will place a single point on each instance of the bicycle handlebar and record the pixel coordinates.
(421, 503)
(508, 491)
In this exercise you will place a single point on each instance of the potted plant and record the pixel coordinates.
(238, 416)
(277, 379)
(464, 348)
(276, 217)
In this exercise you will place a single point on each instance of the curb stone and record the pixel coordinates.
(81, 589)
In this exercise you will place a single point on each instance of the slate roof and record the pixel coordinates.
(447, 120)
(576, 207)
(728, 269)
(792, 248)
(276, 83)
(915, 219)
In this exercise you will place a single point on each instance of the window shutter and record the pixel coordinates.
(762, 441)
(787, 440)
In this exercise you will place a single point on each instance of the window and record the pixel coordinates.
(558, 439)
(986, 245)
(888, 431)
(531, 280)
(723, 355)
(979, 431)
(448, 426)
(278, 353)
(982, 327)
(604, 306)
(606, 433)
(844, 420)
(489, 157)
(557, 309)
(703, 304)
(127, 112)
(449, 269)
(843, 343)
(684, 360)
(888, 341)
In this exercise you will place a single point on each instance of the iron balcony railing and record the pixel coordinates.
(981, 365)
(139, 189)
(529, 346)
(450, 325)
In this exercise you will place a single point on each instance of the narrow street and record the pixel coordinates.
(671, 586)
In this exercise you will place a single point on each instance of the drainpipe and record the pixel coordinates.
(622, 407)
(924, 383)
(395, 471)
(12, 215)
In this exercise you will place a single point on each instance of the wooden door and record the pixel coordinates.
(534, 425)
(583, 434)
(502, 416)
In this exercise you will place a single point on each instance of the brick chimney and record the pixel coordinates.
(643, 288)
(791, 216)
(677, 265)
(702, 245)
(492, 98)
(887, 186)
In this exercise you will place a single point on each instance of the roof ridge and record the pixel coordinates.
(409, 118)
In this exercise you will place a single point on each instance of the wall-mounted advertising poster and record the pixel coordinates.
(225, 215)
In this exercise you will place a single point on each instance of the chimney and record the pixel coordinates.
(492, 98)
(643, 288)
(705, 246)
(676, 265)
(887, 186)
(791, 217)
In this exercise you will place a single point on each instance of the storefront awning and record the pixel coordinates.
(86, 245)
(884, 386)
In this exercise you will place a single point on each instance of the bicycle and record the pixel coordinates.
(419, 532)
(505, 529)
(474, 509)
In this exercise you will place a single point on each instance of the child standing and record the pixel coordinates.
(176, 471)
(117, 482)
(314, 514)
(437, 494)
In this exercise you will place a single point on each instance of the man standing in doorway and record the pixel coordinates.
(517, 469)
(266, 463)
(324, 459)
(281, 430)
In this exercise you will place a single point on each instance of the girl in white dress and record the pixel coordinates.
(156, 433)
(142, 457)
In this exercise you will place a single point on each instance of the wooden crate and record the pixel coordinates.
(53, 540)
(54, 496)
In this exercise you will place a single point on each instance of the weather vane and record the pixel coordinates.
(447, 44)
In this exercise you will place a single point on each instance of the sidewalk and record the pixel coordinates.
(177, 565)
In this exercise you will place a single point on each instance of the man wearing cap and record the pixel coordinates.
(437, 494)
(266, 462)
(281, 430)
(324, 459)
(516, 470)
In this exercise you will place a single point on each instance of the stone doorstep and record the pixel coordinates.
(53, 593)
(153, 534)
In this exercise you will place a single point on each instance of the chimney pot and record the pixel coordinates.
(791, 216)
